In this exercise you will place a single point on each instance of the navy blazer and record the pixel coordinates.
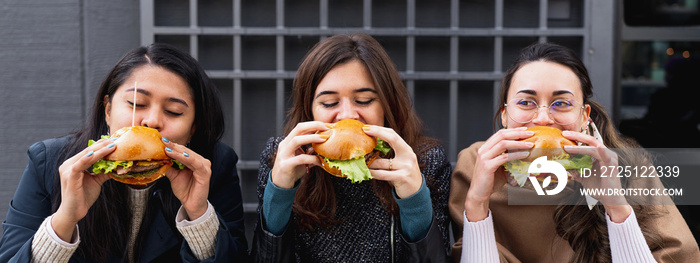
(31, 204)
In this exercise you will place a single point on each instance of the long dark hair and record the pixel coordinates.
(586, 231)
(104, 230)
(315, 202)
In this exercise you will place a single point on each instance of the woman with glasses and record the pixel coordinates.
(549, 86)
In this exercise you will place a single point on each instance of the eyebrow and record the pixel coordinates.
(555, 93)
(171, 99)
(330, 92)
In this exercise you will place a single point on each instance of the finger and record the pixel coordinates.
(304, 159)
(308, 128)
(389, 136)
(503, 147)
(384, 175)
(586, 150)
(297, 141)
(384, 164)
(95, 146)
(582, 138)
(508, 134)
(92, 154)
(186, 156)
(100, 179)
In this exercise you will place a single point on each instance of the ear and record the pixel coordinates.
(504, 118)
(192, 130)
(586, 115)
(108, 108)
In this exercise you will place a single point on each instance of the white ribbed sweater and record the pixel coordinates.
(627, 242)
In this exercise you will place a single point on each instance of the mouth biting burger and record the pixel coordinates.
(139, 158)
(548, 142)
(348, 150)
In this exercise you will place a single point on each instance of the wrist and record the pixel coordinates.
(63, 226)
(409, 188)
(282, 182)
(196, 212)
(618, 213)
(476, 210)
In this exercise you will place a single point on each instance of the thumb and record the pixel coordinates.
(102, 178)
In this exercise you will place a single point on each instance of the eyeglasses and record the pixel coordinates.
(563, 112)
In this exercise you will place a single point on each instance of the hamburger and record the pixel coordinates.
(349, 150)
(548, 142)
(140, 158)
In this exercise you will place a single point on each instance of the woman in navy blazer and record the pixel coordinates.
(60, 212)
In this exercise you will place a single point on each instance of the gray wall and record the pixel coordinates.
(53, 56)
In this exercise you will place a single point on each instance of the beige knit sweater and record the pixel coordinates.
(200, 233)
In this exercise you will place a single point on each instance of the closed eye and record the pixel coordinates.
(365, 102)
(329, 105)
(137, 105)
(174, 113)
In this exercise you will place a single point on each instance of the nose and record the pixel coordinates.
(543, 118)
(152, 119)
(347, 111)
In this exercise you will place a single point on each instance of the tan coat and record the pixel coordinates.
(526, 233)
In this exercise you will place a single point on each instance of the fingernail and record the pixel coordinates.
(166, 139)
(110, 145)
(90, 153)
(185, 154)
(521, 128)
(329, 125)
(529, 144)
(168, 149)
(325, 137)
(530, 132)
(114, 139)
(565, 133)
(366, 128)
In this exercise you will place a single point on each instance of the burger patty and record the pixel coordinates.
(141, 166)
(136, 175)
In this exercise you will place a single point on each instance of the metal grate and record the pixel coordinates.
(451, 55)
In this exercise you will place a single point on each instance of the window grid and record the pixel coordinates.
(282, 75)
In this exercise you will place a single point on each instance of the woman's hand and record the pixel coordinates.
(402, 172)
(79, 188)
(189, 185)
(616, 206)
(291, 162)
(489, 173)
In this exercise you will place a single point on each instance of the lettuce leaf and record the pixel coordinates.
(105, 166)
(355, 169)
(91, 142)
(518, 168)
(382, 146)
(179, 166)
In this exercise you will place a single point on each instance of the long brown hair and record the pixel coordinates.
(315, 202)
(585, 230)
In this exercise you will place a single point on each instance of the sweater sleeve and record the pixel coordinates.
(277, 206)
(416, 213)
(627, 243)
(199, 233)
(48, 247)
(479, 241)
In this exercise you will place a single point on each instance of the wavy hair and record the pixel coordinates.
(315, 202)
(586, 231)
